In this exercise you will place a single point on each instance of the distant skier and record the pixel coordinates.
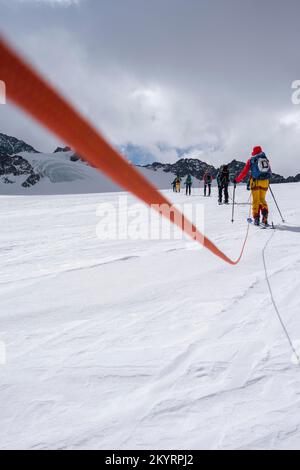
(223, 180)
(174, 185)
(261, 172)
(188, 185)
(178, 184)
(207, 178)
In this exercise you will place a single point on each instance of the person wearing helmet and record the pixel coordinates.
(261, 172)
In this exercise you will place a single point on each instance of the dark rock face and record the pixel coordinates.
(62, 149)
(194, 167)
(15, 165)
(11, 146)
(73, 158)
(12, 165)
(32, 179)
(293, 179)
(183, 167)
(197, 168)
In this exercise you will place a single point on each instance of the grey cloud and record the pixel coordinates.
(183, 72)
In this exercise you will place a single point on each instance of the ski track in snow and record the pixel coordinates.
(146, 344)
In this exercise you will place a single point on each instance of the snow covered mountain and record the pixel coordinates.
(185, 166)
(23, 170)
(60, 173)
(63, 172)
(197, 169)
(12, 146)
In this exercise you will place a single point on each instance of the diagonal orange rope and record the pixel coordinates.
(28, 90)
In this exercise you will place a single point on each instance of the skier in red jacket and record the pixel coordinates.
(261, 173)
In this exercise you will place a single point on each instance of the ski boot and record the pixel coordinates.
(265, 219)
(256, 221)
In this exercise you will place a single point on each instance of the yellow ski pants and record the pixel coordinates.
(259, 190)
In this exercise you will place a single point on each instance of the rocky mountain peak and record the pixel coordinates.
(12, 146)
(62, 149)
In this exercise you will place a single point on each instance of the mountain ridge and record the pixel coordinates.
(21, 165)
(197, 168)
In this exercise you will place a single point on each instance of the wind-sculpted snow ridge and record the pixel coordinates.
(146, 344)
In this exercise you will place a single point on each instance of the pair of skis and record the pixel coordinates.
(251, 220)
(261, 225)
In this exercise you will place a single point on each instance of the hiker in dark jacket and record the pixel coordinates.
(223, 180)
(207, 178)
(174, 185)
(188, 185)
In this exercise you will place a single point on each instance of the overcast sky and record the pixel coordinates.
(210, 73)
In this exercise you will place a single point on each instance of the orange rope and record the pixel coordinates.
(28, 90)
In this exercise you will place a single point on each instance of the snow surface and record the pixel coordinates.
(146, 344)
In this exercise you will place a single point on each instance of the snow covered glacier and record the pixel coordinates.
(55, 173)
(127, 344)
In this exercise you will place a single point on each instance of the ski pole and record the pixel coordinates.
(277, 204)
(233, 204)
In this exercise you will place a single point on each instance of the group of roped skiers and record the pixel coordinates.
(260, 173)
(223, 180)
(176, 184)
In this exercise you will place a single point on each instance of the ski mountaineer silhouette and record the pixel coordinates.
(188, 185)
(207, 178)
(261, 172)
(174, 185)
(223, 180)
(178, 184)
